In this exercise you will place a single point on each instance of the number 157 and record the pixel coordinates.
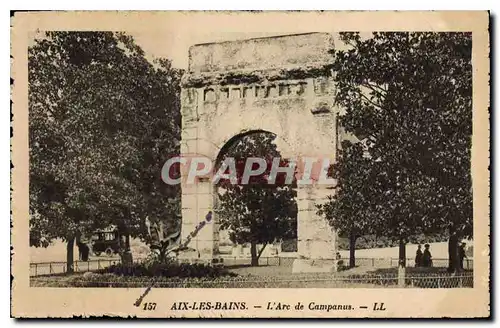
(149, 306)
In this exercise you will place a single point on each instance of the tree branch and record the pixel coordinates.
(371, 102)
(375, 86)
(261, 250)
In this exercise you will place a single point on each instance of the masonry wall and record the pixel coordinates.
(261, 53)
(300, 111)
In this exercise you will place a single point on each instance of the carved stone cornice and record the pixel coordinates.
(236, 77)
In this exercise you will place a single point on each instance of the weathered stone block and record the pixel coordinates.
(261, 53)
(317, 230)
(280, 85)
(197, 201)
(317, 249)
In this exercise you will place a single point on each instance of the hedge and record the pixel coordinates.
(169, 269)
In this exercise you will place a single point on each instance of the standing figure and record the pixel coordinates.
(461, 255)
(427, 257)
(418, 257)
(85, 252)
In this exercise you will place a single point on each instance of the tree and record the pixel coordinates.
(101, 119)
(257, 212)
(408, 97)
(348, 210)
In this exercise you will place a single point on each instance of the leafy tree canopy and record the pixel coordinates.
(257, 212)
(102, 121)
(408, 98)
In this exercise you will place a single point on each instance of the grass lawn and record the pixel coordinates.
(270, 277)
(263, 270)
(272, 270)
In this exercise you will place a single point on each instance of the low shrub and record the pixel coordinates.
(469, 252)
(170, 268)
(289, 245)
(304, 280)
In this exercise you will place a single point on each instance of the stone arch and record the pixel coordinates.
(223, 150)
(282, 85)
(281, 143)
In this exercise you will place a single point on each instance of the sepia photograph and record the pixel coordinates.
(326, 159)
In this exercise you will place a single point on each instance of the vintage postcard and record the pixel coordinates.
(251, 164)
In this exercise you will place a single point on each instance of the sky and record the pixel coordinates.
(158, 44)
(177, 47)
(170, 35)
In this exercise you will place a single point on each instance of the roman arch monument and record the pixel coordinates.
(277, 84)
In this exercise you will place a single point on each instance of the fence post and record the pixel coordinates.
(279, 261)
(373, 262)
(50, 268)
(36, 269)
(267, 260)
(88, 265)
(401, 276)
(98, 264)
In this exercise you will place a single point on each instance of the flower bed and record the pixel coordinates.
(168, 269)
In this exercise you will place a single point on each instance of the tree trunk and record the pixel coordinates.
(261, 251)
(126, 258)
(69, 255)
(453, 265)
(127, 242)
(163, 253)
(253, 253)
(125, 253)
(402, 263)
(352, 250)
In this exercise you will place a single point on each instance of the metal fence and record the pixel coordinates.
(316, 280)
(362, 262)
(51, 268)
(274, 261)
(410, 262)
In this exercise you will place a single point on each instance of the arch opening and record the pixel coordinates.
(256, 213)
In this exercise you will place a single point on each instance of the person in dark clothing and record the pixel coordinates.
(427, 257)
(461, 255)
(85, 253)
(418, 257)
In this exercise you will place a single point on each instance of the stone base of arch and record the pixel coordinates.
(282, 85)
(197, 202)
(316, 240)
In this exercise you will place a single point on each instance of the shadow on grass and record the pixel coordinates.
(241, 266)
